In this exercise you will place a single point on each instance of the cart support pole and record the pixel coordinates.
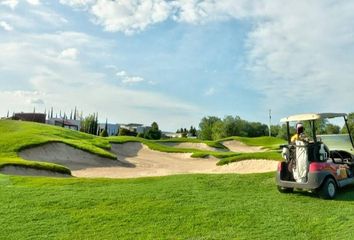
(288, 132)
(350, 135)
(314, 131)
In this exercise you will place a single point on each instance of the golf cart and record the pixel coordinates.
(317, 164)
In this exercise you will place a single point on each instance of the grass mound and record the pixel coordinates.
(226, 206)
(16, 136)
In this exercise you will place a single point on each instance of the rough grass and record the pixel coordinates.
(257, 155)
(225, 206)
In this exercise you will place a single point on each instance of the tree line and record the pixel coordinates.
(214, 128)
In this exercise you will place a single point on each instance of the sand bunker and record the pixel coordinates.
(153, 163)
(249, 166)
(200, 146)
(237, 146)
(26, 171)
(68, 156)
(137, 160)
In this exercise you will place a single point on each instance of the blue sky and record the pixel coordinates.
(176, 61)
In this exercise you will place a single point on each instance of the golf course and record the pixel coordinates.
(202, 194)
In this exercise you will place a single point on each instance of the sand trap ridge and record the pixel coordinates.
(200, 146)
(68, 156)
(237, 146)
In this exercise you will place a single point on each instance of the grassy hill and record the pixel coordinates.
(226, 206)
(17, 135)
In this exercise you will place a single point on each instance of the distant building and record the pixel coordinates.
(112, 128)
(30, 117)
(66, 123)
(172, 134)
(133, 127)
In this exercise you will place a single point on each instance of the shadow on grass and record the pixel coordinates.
(343, 194)
(346, 194)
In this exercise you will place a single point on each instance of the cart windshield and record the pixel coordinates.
(337, 142)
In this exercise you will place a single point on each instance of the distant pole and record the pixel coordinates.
(270, 122)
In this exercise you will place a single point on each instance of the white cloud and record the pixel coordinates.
(34, 2)
(210, 91)
(9, 3)
(132, 79)
(36, 101)
(13, 3)
(6, 26)
(77, 3)
(301, 54)
(129, 16)
(121, 73)
(70, 53)
(49, 17)
(128, 79)
(132, 16)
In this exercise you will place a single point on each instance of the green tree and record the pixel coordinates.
(274, 130)
(154, 132)
(206, 127)
(89, 124)
(193, 131)
(104, 133)
(332, 129)
(218, 130)
(126, 132)
(350, 124)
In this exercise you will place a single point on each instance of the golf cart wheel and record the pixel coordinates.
(328, 189)
(284, 189)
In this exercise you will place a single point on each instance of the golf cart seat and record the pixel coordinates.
(341, 157)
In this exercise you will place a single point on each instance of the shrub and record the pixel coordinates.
(104, 133)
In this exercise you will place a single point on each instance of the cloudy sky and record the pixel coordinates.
(175, 61)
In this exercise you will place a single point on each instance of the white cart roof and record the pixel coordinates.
(311, 116)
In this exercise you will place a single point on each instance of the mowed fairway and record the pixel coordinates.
(225, 206)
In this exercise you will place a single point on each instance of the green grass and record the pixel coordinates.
(271, 155)
(16, 135)
(225, 206)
